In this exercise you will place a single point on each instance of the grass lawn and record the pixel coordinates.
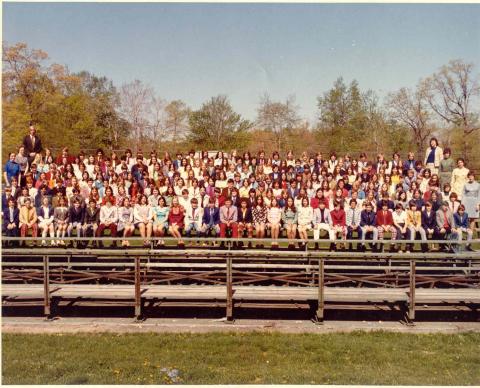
(250, 358)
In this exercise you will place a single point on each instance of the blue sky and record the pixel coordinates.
(195, 51)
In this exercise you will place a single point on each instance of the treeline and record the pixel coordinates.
(86, 111)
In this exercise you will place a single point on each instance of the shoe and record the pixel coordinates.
(469, 248)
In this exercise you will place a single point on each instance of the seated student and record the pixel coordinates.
(429, 223)
(193, 218)
(28, 219)
(228, 219)
(445, 223)
(142, 218)
(290, 219)
(76, 216)
(274, 217)
(322, 221)
(385, 222)
(399, 217)
(460, 220)
(211, 219)
(61, 220)
(339, 221)
(353, 218)
(108, 220)
(160, 219)
(368, 222)
(259, 216)
(11, 222)
(453, 202)
(305, 219)
(245, 219)
(176, 217)
(45, 218)
(385, 198)
(91, 220)
(125, 220)
(414, 224)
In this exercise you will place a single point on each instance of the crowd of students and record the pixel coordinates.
(239, 195)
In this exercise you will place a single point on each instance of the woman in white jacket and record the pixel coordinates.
(305, 218)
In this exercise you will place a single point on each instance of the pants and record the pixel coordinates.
(322, 226)
(102, 227)
(413, 232)
(207, 229)
(76, 225)
(374, 232)
(233, 227)
(193, 226)
(460, 232)
(350, 231)
(386, 228)
(24, 230)
(340, 229)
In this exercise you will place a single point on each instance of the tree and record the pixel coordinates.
(452, 94)
(216, 125)
(345, 115)
(278, 117)
(135, 99)
(410, 109)
(176, 123)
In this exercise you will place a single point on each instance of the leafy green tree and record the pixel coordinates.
(217, 126)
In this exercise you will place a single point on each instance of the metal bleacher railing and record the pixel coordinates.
(237, 277)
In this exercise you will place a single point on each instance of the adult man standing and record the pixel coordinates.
(228, 219)
(32, 144)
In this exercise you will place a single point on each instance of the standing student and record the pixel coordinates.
(446, 167)
(471, 199)
(125, 220)
(461, 225)
(274, 217)
(459, 178)
(289, 219)
(433, 156)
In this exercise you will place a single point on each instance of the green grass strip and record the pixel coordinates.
(250, 358)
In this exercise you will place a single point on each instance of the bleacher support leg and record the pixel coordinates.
(321, 292)
(138, 300)
(229, 291)
(411, 301)
(46, 288)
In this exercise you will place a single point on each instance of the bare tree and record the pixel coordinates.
(157, 118)
(176, 122)
(410, 108)
(278, 117)
(452, 94)
(135, 99)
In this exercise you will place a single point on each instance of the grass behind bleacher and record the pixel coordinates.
(250, 358)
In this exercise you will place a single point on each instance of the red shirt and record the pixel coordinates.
(338, 217)
(384, 218)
